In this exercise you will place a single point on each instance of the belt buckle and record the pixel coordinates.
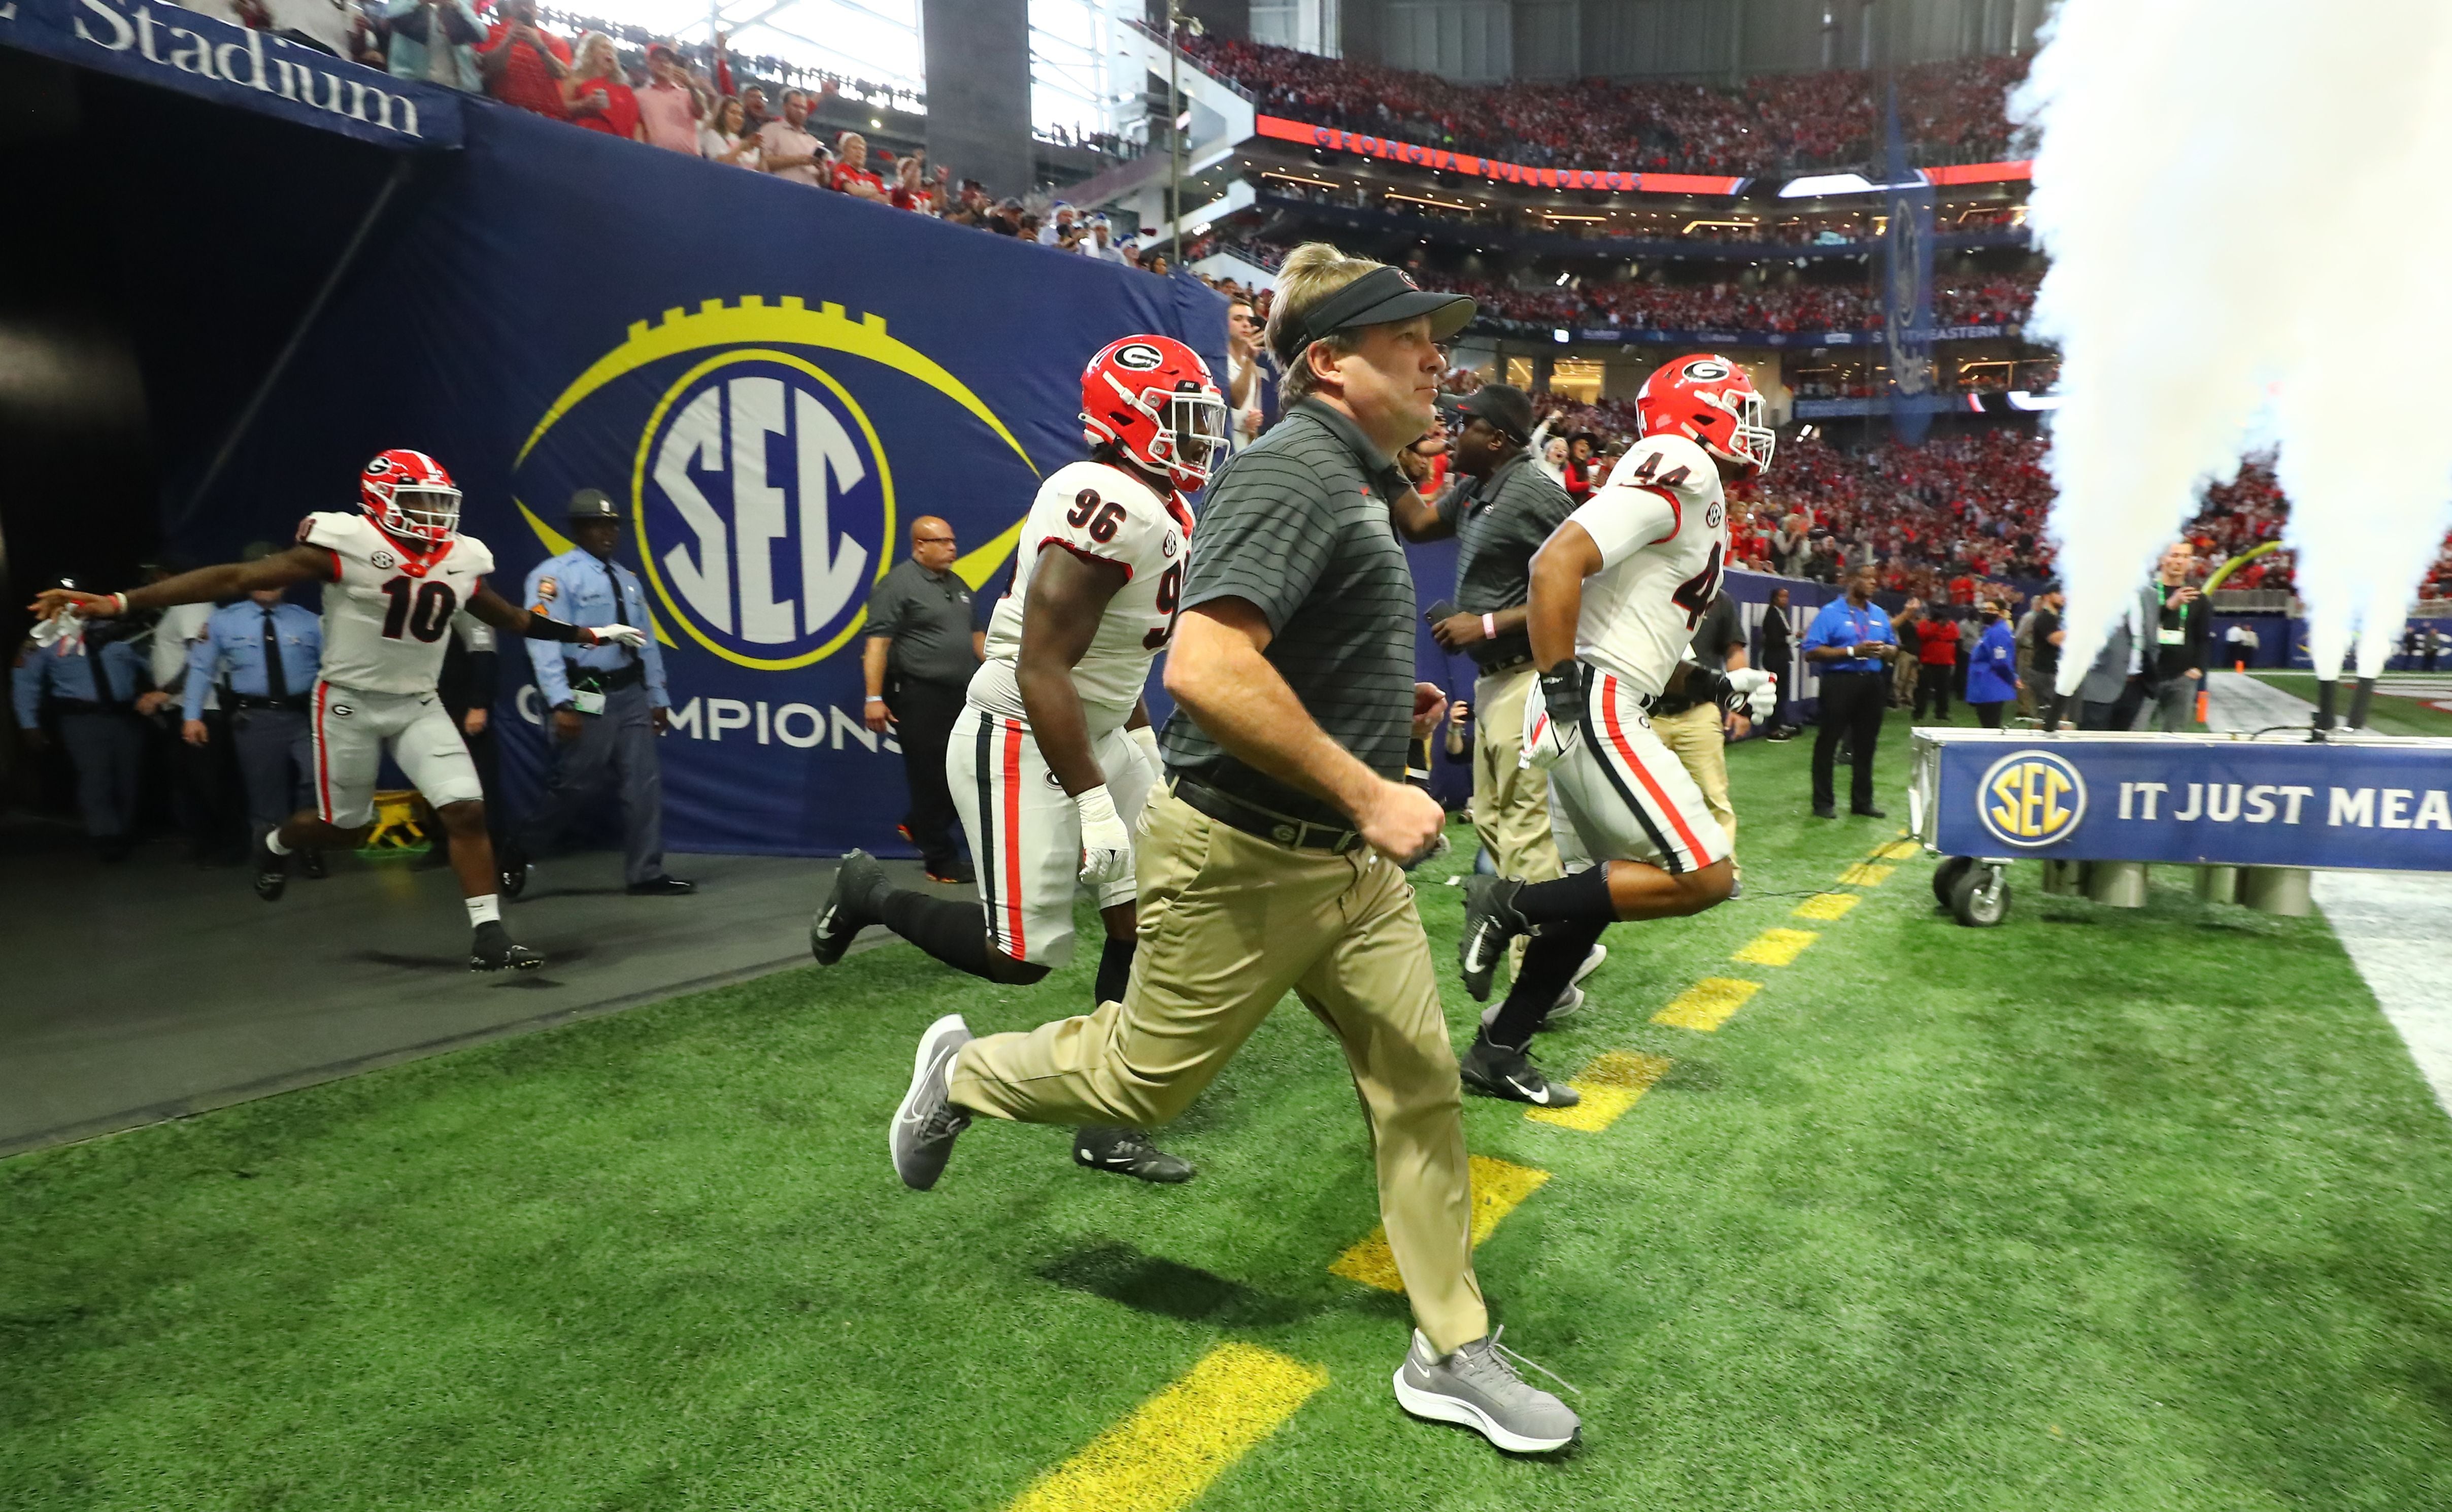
(1288, 834)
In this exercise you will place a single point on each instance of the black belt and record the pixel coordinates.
(1264, 823)
(619, 677)
(1505, 667)
(296, 703)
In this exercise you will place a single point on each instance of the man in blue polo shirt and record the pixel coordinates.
(1850, 644)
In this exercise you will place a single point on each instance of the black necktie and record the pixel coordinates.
(621, 600)
(276, 677)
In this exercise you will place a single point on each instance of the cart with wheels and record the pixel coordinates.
(2099, 807)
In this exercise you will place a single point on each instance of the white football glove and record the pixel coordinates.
(625, 635)
(1546, 742)
(1106, 844)
(1753, 693)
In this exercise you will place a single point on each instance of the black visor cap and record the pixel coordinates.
(1381, 297)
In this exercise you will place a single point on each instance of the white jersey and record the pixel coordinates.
(387, 614)
(1662, 526)
(1105, 514)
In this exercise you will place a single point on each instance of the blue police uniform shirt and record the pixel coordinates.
(69, 674)
(233, 638)
(1993, 670)
(577, 588)
(1842, 623)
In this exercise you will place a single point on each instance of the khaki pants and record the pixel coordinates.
(2026, 683)
(1510, 806)
(1902, 680)
(1695, 736)
(1230, 924)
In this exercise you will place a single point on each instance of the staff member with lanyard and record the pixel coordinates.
(1273, 863)
(1850, 640)
(608, 704)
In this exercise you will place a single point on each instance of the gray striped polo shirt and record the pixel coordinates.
(1297, 525)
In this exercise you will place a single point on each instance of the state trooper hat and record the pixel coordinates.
(594, 504)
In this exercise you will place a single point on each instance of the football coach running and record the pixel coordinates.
(1273, 860)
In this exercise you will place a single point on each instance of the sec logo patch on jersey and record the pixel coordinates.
(1713, 516)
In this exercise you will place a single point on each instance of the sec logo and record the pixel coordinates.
(2031, 798)
(762, 501)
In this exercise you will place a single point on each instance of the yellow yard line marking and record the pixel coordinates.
(1865, 874)
(1610, 1086)
(1707, 1004)
(1898, 850)
(1497, 1186)
(1173, 1445)
(1827, 906)
(1776, 947)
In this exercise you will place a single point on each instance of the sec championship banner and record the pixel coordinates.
(772, 382)
(2385, 806)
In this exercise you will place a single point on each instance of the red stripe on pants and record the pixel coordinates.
(1012, 845)
(1617, 737)
(322, 763)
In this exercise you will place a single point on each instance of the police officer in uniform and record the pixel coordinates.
(267, 653)
(607, 704)
(97, 723)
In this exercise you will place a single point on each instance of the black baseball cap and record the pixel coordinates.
(1503, 406)
(593, 504)
(1379, 297)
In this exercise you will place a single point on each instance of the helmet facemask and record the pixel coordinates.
(424, 510)
(1194, 420)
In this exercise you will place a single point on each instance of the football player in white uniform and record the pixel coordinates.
(1046, 774)
(1616, 593)
(393, 574)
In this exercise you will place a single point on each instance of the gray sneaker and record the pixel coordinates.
(1478, 1387)
(922, 1138)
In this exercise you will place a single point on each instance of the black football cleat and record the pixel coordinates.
(1490, 922)
(1129, 1152)
(1510, 1074)
(510, 871)
(662, 887)
(492, 950)
(272, 871)
(849, 908)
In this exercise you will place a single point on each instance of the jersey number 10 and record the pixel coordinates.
(423, 610)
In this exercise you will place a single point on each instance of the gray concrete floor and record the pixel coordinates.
(153, 989)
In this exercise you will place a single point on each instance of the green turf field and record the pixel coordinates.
(2389, 714)
(2097, 1209)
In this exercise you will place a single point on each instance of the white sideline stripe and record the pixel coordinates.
(2391, 923)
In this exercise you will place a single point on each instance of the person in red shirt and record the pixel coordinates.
(851, 174)
(1937, 656)
(597, 94)
(523, 66)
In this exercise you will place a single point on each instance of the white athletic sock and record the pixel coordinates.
(488, 909)
(273, 841)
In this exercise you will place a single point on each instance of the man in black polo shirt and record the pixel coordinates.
(1273, 863)
(924, 643)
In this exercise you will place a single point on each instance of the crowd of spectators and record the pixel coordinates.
(1642, 305)
(1951, 112)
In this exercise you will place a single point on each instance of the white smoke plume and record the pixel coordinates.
(2195, 184)
(2371, 497)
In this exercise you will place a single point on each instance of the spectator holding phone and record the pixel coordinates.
(726, 136)
(669, 106)
(523, 65)
(786, 149)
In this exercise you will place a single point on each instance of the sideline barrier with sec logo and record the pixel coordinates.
(2354, 802)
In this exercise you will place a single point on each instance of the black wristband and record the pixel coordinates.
(1562, 689)
(540, 628)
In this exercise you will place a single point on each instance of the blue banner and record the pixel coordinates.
(165, 44)
(2206, 802)
(772, 382)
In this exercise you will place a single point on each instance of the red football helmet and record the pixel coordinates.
(1709, 400)
(409, 494)
(1152, 397)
